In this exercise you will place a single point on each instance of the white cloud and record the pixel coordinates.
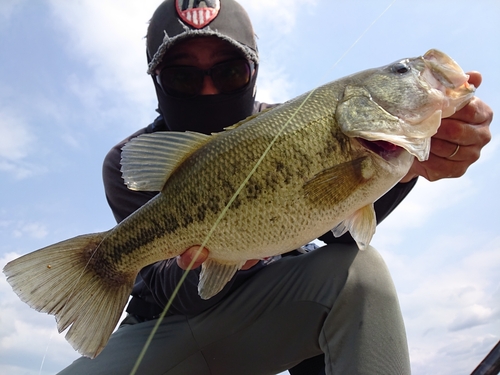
(426, 199)
(109, 38)
(34, 230)
(29, 341)
(471, 316)
(455, 356)
(27, 337)
(449, 296)
(280, 16)
(490, 151)
(18, 170)
(7, 7)
(22, 228)
(90, 95)
(15, 137)
(449, 290)
(16, 145)
(273, 85)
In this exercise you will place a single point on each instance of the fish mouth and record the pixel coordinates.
(444, 74)
(445, 69)
(406, 108)
(386, 150)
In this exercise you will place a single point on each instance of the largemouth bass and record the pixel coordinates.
(263, 187)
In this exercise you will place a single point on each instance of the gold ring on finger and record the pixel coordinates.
(454, 152)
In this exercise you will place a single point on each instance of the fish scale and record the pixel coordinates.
(263, 187)
(208, 168)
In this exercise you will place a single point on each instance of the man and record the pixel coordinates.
(333, 310)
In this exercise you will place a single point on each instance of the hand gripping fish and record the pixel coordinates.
(262, 187)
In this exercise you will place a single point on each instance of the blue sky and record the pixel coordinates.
(73, 83)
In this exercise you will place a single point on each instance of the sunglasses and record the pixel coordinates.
(187, 81)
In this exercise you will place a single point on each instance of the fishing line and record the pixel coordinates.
(164, 312)
(68, 298)
(73, 289)
(235, 195)
(357, 40)
(212, 230)
(45, 354)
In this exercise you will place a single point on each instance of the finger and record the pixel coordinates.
(447, 150)
(194, 254)
(476, 112)
(455, 132)
(475, 78)
(436, 168)
(453, 151)
(462, 133)
(250, 264)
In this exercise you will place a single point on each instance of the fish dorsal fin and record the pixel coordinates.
(361, 224)
(214, 276)
(149, 159)
(336, 184)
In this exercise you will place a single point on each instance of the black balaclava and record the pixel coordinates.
(172, 23)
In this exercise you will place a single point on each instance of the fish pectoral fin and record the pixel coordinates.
(335, 184)
(361, 224)
(214, 276)
(149, 159)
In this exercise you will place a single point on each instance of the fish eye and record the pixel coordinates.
(401, 67)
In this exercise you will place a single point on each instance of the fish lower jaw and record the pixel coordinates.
(386, 150)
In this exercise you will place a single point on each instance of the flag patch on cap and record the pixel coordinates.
(197, 13)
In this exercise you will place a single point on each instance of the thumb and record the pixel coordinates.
(193, 253)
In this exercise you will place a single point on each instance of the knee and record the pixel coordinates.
(324, 271)
(363, 272)
(331, 261)
(369, 277)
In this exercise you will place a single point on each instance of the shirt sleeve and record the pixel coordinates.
(121, 200)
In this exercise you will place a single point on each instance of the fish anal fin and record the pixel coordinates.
(59, 280)
(149, 159)
(361, 224)
(336, 184)
(214, 276)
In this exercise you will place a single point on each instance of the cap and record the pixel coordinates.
(175, 20)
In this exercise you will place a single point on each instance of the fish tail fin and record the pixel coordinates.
(60, 280)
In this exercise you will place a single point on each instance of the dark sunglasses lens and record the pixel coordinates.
(188, 80)
(231, 75)
(184, 80)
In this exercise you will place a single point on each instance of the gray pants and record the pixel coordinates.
(335, 300)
